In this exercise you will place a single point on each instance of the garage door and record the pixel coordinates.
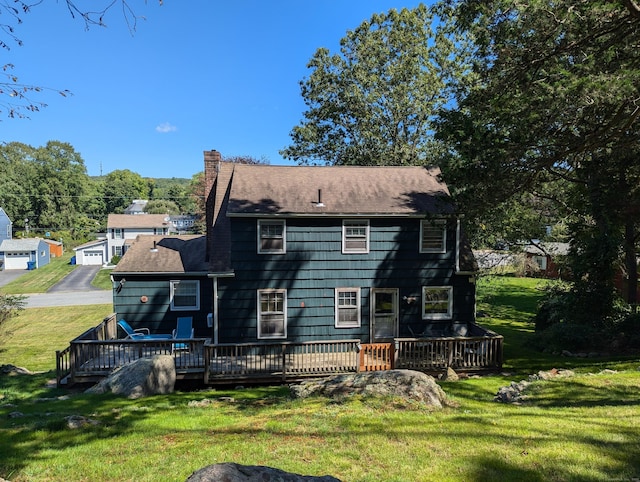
(16, 260)
(92, 258)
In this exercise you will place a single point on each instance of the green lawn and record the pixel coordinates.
(585, 428)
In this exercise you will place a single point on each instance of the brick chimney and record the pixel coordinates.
(212, 161)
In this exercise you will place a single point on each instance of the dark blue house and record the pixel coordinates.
(301, 253)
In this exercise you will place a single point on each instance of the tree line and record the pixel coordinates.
(47, 189)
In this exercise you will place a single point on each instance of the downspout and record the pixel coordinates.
(458, 245)
(215, 310)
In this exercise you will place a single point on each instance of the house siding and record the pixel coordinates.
(156, 313)
(314, 265)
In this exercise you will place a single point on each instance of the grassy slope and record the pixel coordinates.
(583, 428)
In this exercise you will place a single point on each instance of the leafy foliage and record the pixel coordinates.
(374, 102)
(10, 305)
(556, 102)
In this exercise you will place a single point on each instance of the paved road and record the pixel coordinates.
(69, 298)
(74, 289)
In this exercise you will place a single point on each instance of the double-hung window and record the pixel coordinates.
(433, 236)
(437, 302)
(185, 295)
(117, 233)
(272, 314)
(271, 236)
(355, 236)
(347, 307)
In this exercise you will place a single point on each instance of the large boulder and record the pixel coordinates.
(140, 378)
(230, 472)
(407, 384)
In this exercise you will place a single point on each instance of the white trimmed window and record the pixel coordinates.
(437, 302)
(347, 307)
(541, 262)
(355, 236)
(117, 233)
(185, 295)
(433, 236)
(272, 314)
(271, 236)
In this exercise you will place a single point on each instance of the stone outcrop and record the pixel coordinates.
(514, 392)
(140, 378)
(230, 472)
(407, 384)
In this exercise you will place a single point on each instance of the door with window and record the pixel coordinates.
(384, 314)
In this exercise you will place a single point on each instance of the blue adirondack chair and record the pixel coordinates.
(184, 329)
(140, 333)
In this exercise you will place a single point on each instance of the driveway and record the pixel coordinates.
(78, 280)
(8, 275)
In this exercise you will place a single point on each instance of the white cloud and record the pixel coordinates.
(166, 127)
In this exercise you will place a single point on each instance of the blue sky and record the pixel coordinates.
(196, 75)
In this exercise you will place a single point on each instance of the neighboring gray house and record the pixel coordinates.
(138, 206)
(5, 226)
(28, 253)
(94, 253)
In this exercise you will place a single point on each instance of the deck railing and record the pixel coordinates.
(284, 361)
(474, 353)
(93, 355)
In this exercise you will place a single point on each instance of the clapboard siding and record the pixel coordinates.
(314, 265)
(155, 313)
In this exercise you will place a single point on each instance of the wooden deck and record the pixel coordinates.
(97, 352)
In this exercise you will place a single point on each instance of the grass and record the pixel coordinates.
(584, 428)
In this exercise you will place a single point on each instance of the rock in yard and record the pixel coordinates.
(141, 378)
(230, 472)
(407, 384)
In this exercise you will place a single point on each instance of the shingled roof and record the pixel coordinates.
(325, 191)
(165, 254)
(137, 221)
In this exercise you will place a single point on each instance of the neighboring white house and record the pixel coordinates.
(123, 229)
(92, 253)
(28, 253)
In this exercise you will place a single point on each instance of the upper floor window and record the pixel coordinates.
(433, 236)
(117, 233)
(355, 236)
(347, 307)
(271, 236)
(185, 295)
(272, 313)
(437, 302)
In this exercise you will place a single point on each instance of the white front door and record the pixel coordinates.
(384, 314)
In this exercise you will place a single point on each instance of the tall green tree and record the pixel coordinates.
(556, 98)
(374, 101)
(122, 186)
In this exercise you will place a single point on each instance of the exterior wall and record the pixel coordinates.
(144, 301)
(42, 256)
(5, 226)
(314, 265)
(128, 235)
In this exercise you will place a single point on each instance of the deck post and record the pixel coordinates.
(283, 349)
